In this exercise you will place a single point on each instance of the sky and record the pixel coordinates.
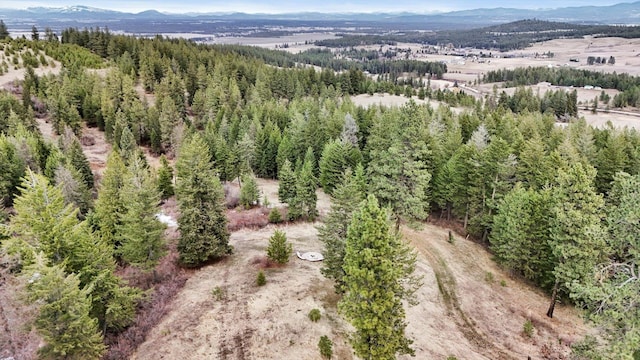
(289, 6)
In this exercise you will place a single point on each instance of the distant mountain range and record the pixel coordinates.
(623, 13)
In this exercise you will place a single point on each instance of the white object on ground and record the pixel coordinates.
(310, 256)
(166, 219)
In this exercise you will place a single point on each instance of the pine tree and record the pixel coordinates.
(333, 232)
(399, 172)
(520, 234)
(577, 238)
(63, 319)
(287, 183)
(373, 287)
(165, 179)
(110, 205)
(249, 192)
(202, 222)
(279, 250)
(140, 233)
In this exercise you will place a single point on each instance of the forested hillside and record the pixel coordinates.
(558, 206)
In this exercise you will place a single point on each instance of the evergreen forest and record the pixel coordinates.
(557, 206)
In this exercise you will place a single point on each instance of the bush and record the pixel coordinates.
(261, 279)
(314, 315)
(488, 277)
(274, 216)
(279, 250)
(218, 293)
(527, 328)
(325, 345)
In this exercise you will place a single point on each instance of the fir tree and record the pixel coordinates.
(165, 179)
(336, 157)
(333, 232)
(202, 222)
(13, 168)
(249, 192)
(63, 319)
(73, 188)
(576, 235)
(304, 202)
(110, 205)
(127, 145)
(76, 157)
(46, 225)
(399, 173)
(140, 233)
(279, 250)
(287, 183)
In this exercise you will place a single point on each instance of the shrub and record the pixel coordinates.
(325, 345)
(314, 315)
(261, 279)
(488, 277)
(217, 293)
(503, 283)
(527, 328)
(274, 216)
(279, 250)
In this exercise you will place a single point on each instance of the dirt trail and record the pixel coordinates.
(489, 308)
(447, 286)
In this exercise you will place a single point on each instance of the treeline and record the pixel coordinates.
(503, 37)
(627, 84)
(229, 115)
(105, 44)
(564, 105)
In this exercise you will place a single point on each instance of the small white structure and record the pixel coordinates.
(310, 256)
(166, 219)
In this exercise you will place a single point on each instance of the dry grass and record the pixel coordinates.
(459, 313)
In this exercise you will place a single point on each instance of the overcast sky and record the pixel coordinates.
(287, 6)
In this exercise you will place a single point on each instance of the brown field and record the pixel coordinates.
(222, 314)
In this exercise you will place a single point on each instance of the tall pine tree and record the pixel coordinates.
(375, 266)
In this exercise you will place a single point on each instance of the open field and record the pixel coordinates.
(295, 43)
(222, 314)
